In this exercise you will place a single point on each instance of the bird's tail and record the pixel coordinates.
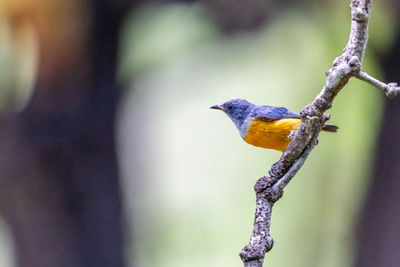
(330, 128)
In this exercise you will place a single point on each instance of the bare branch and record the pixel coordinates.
(270, 189)
(277, 188)
(391, 89)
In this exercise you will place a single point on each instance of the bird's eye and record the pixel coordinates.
(230, 107)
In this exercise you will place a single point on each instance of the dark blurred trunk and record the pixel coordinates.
(59, 185)
(235, 16)
(379, 233)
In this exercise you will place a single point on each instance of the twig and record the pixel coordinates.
(270, 189)
(391, 89)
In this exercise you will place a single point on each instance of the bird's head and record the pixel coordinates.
(237, 110)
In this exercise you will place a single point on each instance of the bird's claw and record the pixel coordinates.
(292, 134)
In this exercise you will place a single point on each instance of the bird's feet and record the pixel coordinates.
(292, 134)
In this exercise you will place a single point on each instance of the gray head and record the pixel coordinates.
(237, 110)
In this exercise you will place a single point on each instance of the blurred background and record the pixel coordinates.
(110, 155)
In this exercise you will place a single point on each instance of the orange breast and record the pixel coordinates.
(271, 134)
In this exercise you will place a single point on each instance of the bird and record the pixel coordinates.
(264, 126)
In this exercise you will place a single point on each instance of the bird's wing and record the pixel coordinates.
(272, 113)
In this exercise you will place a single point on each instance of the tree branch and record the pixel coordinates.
(270, 189)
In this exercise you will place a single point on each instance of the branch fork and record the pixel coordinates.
(269, 189)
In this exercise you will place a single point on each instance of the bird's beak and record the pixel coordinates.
(217, 107)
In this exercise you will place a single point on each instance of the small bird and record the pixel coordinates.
(264, 126)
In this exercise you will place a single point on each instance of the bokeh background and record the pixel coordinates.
(110, 155)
